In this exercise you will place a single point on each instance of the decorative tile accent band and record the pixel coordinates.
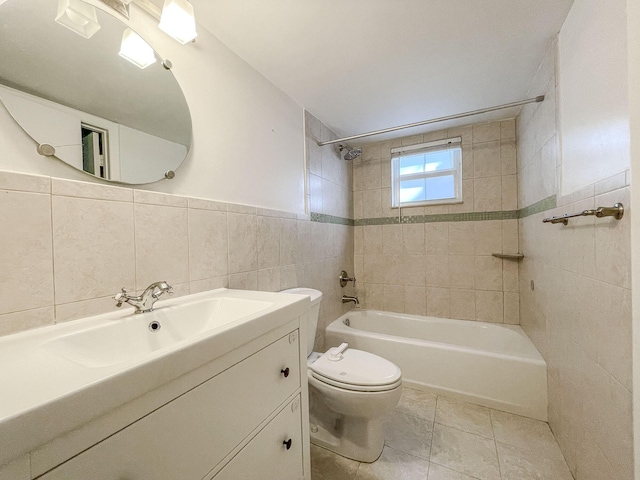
(538, 207)
(324, 218)
(541, 206)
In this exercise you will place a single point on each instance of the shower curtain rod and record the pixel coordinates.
(539, 98)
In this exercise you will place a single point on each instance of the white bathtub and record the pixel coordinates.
(484, 363)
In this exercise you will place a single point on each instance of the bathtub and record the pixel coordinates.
(483, 363)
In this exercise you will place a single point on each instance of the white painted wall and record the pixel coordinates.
(248, 138)
(592, 75)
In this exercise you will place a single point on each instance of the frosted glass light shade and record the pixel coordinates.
(136, 50)
(178, 21)
(78, 16)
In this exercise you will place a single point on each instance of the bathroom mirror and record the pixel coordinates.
(64, 82)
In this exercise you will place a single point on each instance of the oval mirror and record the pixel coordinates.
(64, 79)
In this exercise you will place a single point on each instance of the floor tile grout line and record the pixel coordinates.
(495, 445)
(454, 470)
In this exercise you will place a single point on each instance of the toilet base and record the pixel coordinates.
(360, 439)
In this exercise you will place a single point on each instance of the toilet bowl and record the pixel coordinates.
(349, 392)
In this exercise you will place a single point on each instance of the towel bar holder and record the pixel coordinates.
(617, 211)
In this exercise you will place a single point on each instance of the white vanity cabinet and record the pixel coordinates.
(235, 425)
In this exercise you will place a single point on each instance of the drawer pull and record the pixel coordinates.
(285, 372)
(287, 444)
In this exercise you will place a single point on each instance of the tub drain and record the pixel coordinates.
(347, 322)
(154, 326)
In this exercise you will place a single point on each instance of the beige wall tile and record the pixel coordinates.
(437, 274)
(394, 298)
(385, 173)
(242, 242)
(413, 270)
(86, 308)
(486, 159)
(244, 281)
(155, 198)
(465, 132)
(508, 128)
(373, 239)
(436, 237)
(413, 238)
(269, 280)
(438, 302)
(208, 244)
(374, 295)
(24, 182)
(392, 240)
(489, 306)
(468, 169)
(73, 188)
(268, 242)
(486, 132)
(462, 238)
(510, 243)
(204, 204)
(510, 279)
(467, 198)
(412, 140)
(487, 194)
(415, 300)
(288, 277)
(288, 241)
(508, 157)
(244, 209)
(25, 320)
(26, 253)
(462, 271)
(165, 256)
(488, 237)
(371, 175)
(358, 240)
(488, 273)
(93, 247)
(17, 469)
(511, 308)
(198, 286)
(463, 304)
(315, 194)
(509, 192)
(613, 242)
(371, 204)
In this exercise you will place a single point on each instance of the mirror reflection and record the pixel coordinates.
(76, 78)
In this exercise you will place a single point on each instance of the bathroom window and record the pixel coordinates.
(427, 174)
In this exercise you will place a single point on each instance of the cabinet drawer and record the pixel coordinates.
(267, 457)
(190, 435)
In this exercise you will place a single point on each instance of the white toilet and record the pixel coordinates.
(349, 392)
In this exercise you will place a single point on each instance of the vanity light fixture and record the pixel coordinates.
(177, 20)
(78, 16)
(136, 50)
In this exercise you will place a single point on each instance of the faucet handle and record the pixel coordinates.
(120, 297)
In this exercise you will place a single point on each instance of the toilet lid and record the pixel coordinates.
(356, 368)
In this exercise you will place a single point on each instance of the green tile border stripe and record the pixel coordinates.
(538, 207)
(324, 218)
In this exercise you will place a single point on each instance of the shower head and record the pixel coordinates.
(351, 152)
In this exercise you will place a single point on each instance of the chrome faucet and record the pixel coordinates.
(347, 299)
(144, 303)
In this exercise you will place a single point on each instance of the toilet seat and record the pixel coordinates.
(357, 371)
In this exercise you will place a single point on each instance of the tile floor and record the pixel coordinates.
(429, 437)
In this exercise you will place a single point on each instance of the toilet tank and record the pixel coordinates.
(312, 315)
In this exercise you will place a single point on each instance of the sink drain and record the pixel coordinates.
(154, 326)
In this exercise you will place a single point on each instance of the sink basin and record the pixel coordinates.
(136, 336)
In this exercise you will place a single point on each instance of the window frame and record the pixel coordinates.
(438, 145)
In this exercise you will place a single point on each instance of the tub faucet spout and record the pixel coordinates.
(347, 299)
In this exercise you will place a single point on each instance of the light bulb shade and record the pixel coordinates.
(136, 50)
(78, 16)
(178, 21)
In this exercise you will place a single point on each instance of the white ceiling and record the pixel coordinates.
(362, 65)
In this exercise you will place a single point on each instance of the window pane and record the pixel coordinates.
(440, 187)
(411, 164)
(436, 161)
(425, 189)
(413, 190)
(427, 162)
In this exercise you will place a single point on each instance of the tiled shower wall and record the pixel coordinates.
(575, 298)
(67, 247)
(436, 260)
